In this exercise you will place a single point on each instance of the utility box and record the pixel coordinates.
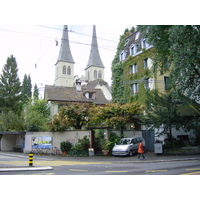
(91, 151)
(158, 148)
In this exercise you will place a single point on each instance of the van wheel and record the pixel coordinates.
(130, 153)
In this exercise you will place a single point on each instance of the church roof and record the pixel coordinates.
(65, 52)
(69, 94)
(94, 59)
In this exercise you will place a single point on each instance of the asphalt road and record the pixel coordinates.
(119, 166)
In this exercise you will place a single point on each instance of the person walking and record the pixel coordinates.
(141, 150)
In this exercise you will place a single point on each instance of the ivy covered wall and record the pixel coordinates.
(138, 77)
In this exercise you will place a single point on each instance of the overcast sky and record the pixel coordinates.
(34, 47)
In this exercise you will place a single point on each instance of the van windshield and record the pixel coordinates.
(124, 142)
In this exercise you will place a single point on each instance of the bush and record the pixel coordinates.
(80, 149)
(65, 146)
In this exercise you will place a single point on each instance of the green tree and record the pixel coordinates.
(36, 92)
(74, 115)
(115, 115)
(36, 115)
(162, 113)
(26, 88)
(10, 121)
(177, 50)
(10, 86)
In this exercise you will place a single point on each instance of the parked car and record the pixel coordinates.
(127, 146)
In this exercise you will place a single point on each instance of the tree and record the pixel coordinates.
(26, 88)
(10, 86)
(75, 115)
(177, 50)
(10, 121)
(36, 92)
(36, 115)
(162, 113)
(115, 115)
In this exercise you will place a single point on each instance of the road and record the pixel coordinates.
(77, 166)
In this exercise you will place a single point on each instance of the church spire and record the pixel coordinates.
(94, 59)
(65, 52)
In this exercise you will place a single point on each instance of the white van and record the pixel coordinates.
(127, 146)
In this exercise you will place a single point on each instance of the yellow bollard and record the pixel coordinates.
(30, 159)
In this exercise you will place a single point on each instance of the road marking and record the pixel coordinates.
(193, 169)
(192, 173)
(116, 171)
(43, 174)
(78, 170)
(52, 163)
(152, 171)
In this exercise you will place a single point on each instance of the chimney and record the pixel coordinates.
(78, 85)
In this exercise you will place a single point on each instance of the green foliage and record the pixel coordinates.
(115, 115)
(36, 114)
(36, 92)
(117, 72)
(26, 88)
(139, 77)
(10, 121)
(65, 146)
(177, 50)
(162, 111)
(10, 87)
(74, 115)
(80, 149)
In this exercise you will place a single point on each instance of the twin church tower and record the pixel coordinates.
(64, 74)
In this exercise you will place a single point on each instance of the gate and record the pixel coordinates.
(149, 138)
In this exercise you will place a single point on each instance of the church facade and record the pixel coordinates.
(69, 88)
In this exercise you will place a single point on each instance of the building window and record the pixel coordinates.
(69, 70)
(134, 88)
(166, 82)
(146, 64)
(137, 35)
(64, 69)
(146, 83)
(132, 50)
(90, 95)
(144, 44)
(133, 69)
(122, 55)
(95, 74)
(99, 74)
(126, 42)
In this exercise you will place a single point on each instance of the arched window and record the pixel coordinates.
(95, 74)
(64, 69)
(100, 74)
(69, 70)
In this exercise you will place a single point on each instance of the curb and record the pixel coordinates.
(157, 161)
(13, 169)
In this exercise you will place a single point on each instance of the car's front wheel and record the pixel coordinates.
(130, 153)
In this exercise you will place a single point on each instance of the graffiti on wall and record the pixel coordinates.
(41, 142)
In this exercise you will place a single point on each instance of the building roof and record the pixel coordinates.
(94, 59)
(70, 94)
(65, 52)
(93, 84)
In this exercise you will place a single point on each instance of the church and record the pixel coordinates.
(68, 87)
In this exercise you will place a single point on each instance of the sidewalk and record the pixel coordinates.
(151, 158)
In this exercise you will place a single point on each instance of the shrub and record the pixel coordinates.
(65, 146)
(80, 149)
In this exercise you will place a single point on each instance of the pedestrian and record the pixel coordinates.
(141, 150)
